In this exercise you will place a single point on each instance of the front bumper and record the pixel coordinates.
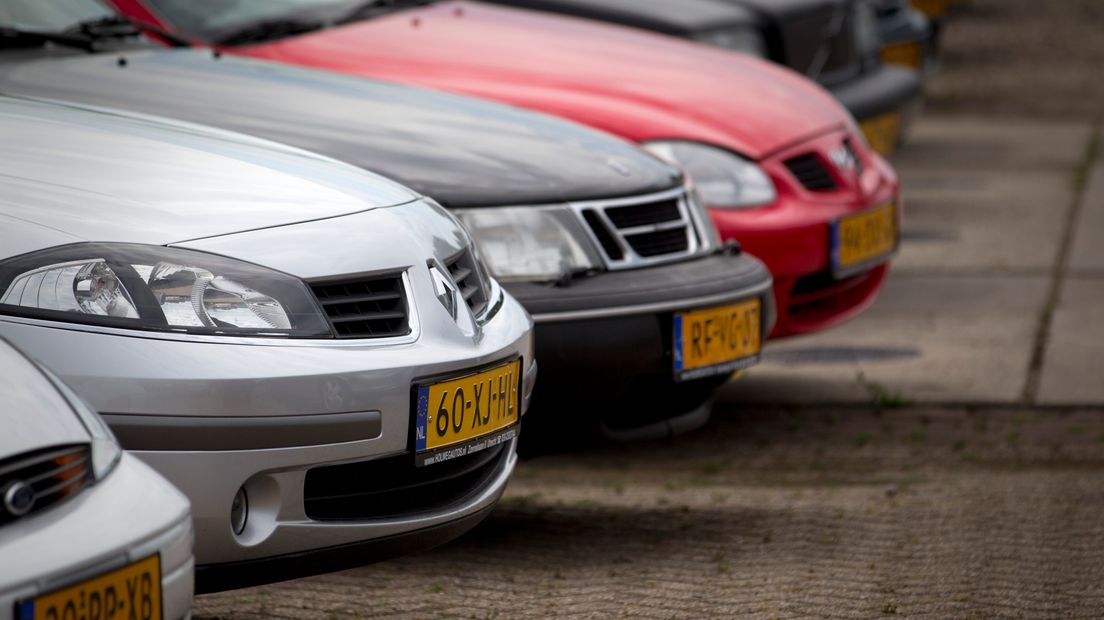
(792, 236)
(217, 417)
(128, 516)
(603, 335)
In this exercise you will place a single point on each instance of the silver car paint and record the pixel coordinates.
(127, 372)
(130, 514)
(99, 175)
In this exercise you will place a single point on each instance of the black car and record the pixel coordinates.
(835, 42)
(607, 247)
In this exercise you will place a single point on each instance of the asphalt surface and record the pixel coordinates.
(940, 457)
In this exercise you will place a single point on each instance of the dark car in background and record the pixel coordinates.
(836, 42)
(608, 247)
(908, 36)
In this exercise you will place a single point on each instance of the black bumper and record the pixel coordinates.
(610, 336)
(886, 89)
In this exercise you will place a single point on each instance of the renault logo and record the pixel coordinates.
(19, 498)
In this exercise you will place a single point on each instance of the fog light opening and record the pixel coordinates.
(239, 511)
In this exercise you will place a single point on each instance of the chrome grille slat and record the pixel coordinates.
(50, 480)
(641, 231)
(64, 468)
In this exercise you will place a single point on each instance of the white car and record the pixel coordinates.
(86, 531)
(313, 354)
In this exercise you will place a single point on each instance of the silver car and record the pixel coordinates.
(315, 355)
(86, 531)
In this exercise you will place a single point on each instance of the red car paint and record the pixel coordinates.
(641, 86)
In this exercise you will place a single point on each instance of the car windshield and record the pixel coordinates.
(50, 15)
(246, 21)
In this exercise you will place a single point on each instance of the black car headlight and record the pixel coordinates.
(158, 288)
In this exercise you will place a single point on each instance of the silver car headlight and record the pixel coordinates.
(106, 451)
(157, 288)
(725, 180)
(738, 39)
(530, 243)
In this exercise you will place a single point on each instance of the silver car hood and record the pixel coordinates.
(73, 173)
(34, 414)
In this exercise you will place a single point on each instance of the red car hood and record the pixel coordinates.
(633, 83)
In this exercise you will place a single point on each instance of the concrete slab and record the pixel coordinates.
(928, 339)
(1013, 145)
(983, 221)
(1073, 368)
(1088, 240)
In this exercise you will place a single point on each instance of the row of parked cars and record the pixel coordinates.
(303, 259)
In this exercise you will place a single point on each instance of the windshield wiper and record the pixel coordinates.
(33, 37)
(268, 30)
(120, 27)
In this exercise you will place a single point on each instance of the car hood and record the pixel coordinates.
(89, 174)
(461, 151)
(34, 415)
(638, 84)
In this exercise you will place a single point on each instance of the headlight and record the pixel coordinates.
(725, 180)
(105, 448)
(157, 288)
(530, 243)
(746, 40)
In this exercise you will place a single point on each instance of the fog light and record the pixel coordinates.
(239, 512)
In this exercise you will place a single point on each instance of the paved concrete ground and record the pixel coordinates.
(919, 477)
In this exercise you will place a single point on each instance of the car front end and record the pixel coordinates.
(88, 530)
(322, 365)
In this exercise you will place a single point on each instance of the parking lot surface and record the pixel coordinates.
(940, 457)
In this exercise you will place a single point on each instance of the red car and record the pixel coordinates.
(782, 165)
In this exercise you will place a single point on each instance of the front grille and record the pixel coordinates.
(811, 171)
(465, 275)
(659, 242)
(52, 474)
(645, 232)
(395, 487)
(365, 307)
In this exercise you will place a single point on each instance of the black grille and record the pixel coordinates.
(609, 244)
(643, 215)
(52, 474)
(659, 242)
(811, 171)
(395, 487)
(372, 307)
(464, 273)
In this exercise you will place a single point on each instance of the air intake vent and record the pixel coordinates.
(42, 478)
(373, 307)
(648, 231)
(464, 273)
(811, 171)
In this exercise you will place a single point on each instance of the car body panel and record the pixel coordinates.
(188, 377)
(547, 63)
(461, 151)
(28, 395)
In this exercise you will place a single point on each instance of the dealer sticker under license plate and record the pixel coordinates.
(467, 414)
(863, 240)
(133, 591)
(717, 340)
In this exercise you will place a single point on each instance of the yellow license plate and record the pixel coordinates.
(909, 54)
(130, 592)
(883, 133)
(932, 8)
(464, 415)
(717, 340)
(861, 240)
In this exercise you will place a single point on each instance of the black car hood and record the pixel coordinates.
(677, 17)
(463, 152)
